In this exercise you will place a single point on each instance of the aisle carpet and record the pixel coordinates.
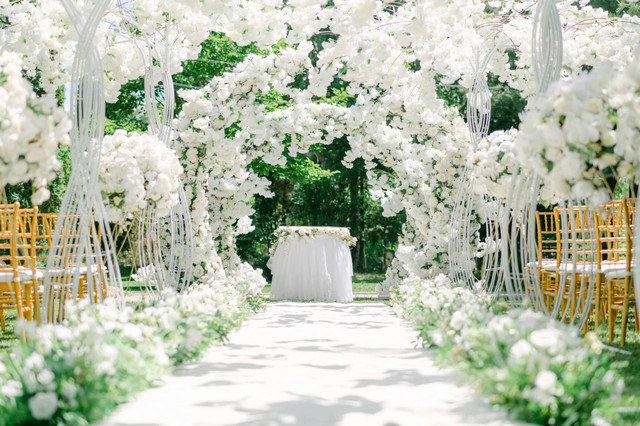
(313, 364)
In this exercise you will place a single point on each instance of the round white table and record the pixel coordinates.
(312, 263)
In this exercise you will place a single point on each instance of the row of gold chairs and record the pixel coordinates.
(577, 247)
(26, 237)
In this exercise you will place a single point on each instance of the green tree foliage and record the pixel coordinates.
(506, 103)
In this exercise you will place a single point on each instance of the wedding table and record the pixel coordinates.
(312, 263)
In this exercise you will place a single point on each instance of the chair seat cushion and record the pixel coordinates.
(6, 276)
(547, 264)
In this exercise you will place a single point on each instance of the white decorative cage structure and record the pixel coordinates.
(82, 263)
(461, 262)
(164, 244)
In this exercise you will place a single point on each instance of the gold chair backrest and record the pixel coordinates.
(548, 236)
(579, 235)
(25, 236)
(8, 224)
(610, 222)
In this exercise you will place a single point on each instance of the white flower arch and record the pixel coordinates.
(391, 56)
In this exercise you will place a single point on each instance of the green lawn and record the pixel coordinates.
(627, 410)
(362, 282)
(7, 337)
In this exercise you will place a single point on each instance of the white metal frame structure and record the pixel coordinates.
(82, 261)
(165, 243)
(461, 261)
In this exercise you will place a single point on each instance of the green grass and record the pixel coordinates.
(627, 410)
(362, 282)
(366, 282)
(132, 286)
(8, 337)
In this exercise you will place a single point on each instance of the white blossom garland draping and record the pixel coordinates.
(82, 247)
(383, 97)
(590, 36)
(31, 129)
(394, 89)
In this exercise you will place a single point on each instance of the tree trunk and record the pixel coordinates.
(357, 209)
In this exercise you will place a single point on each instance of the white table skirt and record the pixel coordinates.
(312, 269)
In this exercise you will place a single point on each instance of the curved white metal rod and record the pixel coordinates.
(82, 261)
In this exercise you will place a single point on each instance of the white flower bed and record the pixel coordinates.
(100, 356)
(537, 367)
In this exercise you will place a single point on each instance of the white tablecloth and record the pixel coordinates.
(317, 268)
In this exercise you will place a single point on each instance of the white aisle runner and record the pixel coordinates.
(313, 364)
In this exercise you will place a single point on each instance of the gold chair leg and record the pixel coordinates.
(612, 317)
(585, 328)
(625, 318)
(625, 312)
(18, 299)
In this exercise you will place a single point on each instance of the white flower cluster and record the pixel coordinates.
(450, 309)
(247, 282)
(136, 171)
(312, 231)
(493, 164)
(590, 36)
(570, 139)
(31, 129)
(558, 363)
(45, 47)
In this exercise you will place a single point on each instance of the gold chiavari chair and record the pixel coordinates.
(619, 280)
(581, 260)
(62, 276)
(548, 257)
(25, 256)
(11, 273)
(608, 225)
(9, 279)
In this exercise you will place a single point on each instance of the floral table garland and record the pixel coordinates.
(310, 232)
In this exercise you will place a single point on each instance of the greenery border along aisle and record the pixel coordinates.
(539, 368)
(76, 372)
